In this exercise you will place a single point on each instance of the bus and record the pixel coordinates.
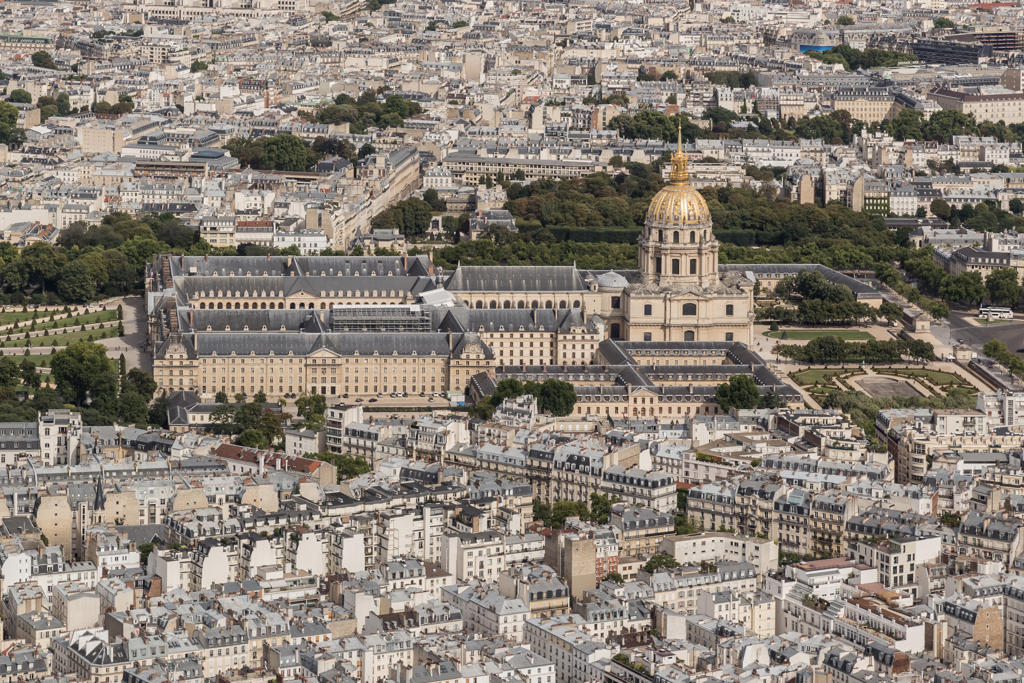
(995, 313)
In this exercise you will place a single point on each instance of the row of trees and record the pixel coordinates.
(1000, 286)
(254, 424)
(106, 259)
(553, 396)
(830, 350)
(862, 408)
(999, 352)
(102, 389)
(410, 217)
(982, 216)
(818, 302)
(941, 126)
(554, 516)
(741, 392)
(283, 152)
(853, 59)
(367, 112)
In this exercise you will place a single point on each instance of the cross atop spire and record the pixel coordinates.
(679, 175)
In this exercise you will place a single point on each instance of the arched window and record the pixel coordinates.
(520, 304)
(494, 304)
(688, 335)
(561, 304)
(507, 304)
(533, 304)
(689, 309)
(675, 237)
(479, 304)
(675, 266)
(693, 236)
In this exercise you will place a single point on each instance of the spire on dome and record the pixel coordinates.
(679, 175)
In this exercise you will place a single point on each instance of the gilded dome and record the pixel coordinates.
(678, 203)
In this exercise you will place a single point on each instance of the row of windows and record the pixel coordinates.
(688, 309)
(675, 266)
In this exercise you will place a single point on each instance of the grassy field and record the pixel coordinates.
(806, 335)
(60, 339)
(42, 361)
(8, 317)
(44, 323)
(808, 378)
(936, 377)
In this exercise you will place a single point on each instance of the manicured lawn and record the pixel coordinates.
(808, 378)
(61, 339)
(8, 317)
(43, 322)
(936, 377)
(40, 361)
(805, 335)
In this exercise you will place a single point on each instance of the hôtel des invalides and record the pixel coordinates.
(655, 341)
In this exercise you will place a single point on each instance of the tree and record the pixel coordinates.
(739, 392)
(253, 438)
(965, 288)
(660, 561)
(366, 150)
(311, 408)
(43, 60)
(1003, 286)
(76, 283)
(845, 20)
(63, 102)
(940, 208)
(199, 65)
(614, 577)
(20, 96)
(436, 203)
(943, 22)
(221, 397)
(141, 382)
(10, 372)
(29, 374)
(556, 397)
(83, 374)
(600, 508)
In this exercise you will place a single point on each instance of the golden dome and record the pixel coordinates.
(678, 203)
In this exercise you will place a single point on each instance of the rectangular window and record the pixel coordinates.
(728, 336)
(647, 336)
(616, 302)
(648, 309)
(728, 309)
(693, 266)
